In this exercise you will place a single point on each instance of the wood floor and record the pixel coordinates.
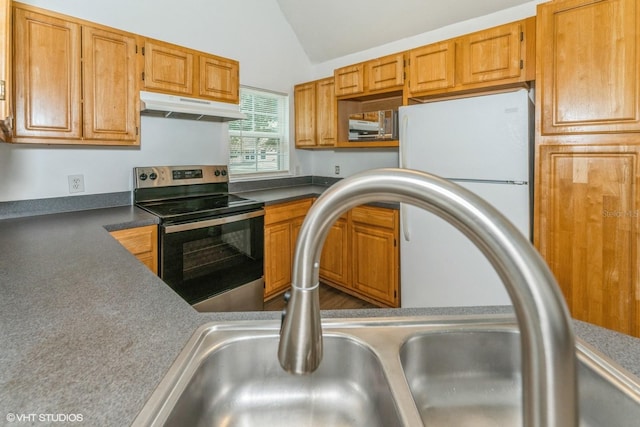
(330, 299)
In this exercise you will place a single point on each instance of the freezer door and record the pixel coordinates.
(442, 268)
(484, 137)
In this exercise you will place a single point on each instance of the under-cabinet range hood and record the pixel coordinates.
(180, 107)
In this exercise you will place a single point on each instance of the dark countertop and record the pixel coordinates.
(87, 329)
(272, 196)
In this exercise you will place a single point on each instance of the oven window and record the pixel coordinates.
(201, 263)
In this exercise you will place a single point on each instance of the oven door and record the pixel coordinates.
(216, 264)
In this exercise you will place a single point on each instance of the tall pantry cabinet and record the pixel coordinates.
(587, 207)
(5, 68)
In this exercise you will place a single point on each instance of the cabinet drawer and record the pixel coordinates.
(379, 217)
(137, 240)
(285, 211)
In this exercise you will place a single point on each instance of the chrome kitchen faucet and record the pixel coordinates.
(547, 340)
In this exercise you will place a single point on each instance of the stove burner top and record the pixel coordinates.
(197, 206)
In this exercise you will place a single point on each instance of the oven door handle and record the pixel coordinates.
(168, 229)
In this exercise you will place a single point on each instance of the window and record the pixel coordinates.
(259, 144)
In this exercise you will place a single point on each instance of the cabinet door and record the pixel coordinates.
(336, 259)
(47, 76)
(432, 67)
(373, 273)
(588, 215)
(305, 114)
(219, 79)
(589, 68)
(349, 80)
(141, 242)
(277, 257)
(385, 72)
(168, 68)
(110, 88)
(375, 253)
(5, 67)
(492, 54)
(326, 114)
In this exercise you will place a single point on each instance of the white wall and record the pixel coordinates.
(253, 32)
(354, 161)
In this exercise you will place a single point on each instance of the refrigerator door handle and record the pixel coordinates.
(403, 139)
(404, 225)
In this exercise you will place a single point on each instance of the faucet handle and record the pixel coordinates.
(286, 297)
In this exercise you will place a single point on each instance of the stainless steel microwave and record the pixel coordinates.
(379, 125)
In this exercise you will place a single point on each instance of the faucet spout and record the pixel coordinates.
(547, 340)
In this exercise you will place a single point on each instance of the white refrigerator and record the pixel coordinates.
(483, 143)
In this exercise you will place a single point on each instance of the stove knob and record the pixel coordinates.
(224, 172)
(143, 176)
(153, 176)
(217, 172)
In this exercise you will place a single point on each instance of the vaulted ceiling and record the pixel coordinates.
(329, 29)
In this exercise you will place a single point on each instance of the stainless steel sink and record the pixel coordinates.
(436, 371)
(471, 377)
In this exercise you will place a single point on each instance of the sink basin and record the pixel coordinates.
(472, 378)
(435, 371)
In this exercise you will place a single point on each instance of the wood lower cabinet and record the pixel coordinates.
(281, 225)
(589, 217)
(375, 254)
(335, 262)
(141, 242)
(361, 255)
(75, 83)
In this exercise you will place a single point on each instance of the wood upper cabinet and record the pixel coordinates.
(498, 57)
(326, 113)
(168, 68)
(5, 70)
(47, 76)
(589, 66)
(349, 80)
(384, 73)
(315, 114)
(305, 114)
(432, 67)
(218, 78)
(587, 222)
(493, 54)
(141, 242)
(75, 84)
(111, 100)
(174, 69)
(374, 76)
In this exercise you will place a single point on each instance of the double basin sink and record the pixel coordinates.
(431, 371)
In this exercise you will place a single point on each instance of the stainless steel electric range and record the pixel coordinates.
(211, 242)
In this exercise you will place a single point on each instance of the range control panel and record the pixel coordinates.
(166, 176)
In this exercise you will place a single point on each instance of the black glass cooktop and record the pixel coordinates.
(187, 208)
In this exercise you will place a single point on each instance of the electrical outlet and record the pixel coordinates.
(76, 183)
(337, 169)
